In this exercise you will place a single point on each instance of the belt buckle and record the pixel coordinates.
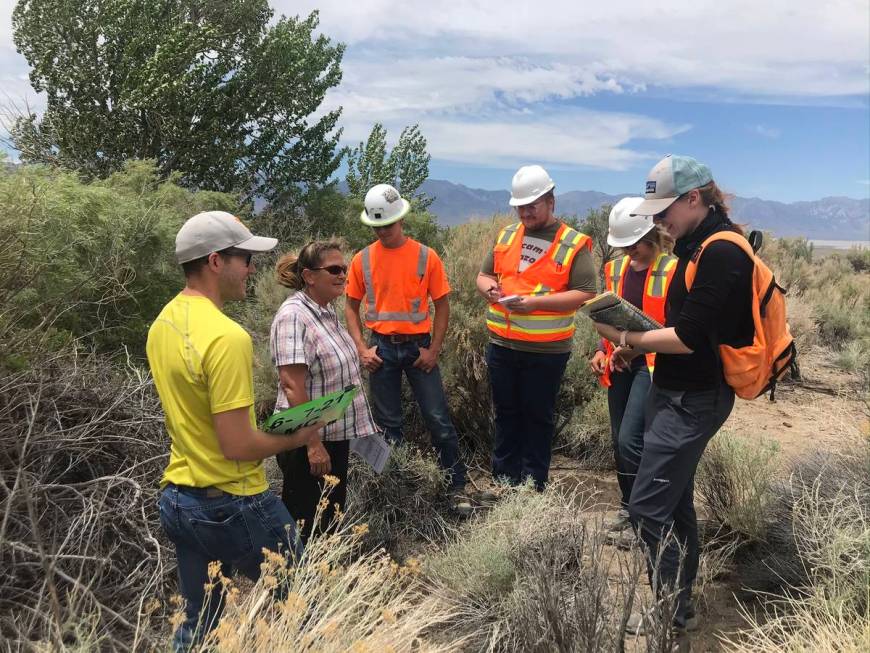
(213, 493)
(396, 338)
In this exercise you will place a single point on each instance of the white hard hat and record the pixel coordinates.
(384, 206)
(625, 229)
(529, 184)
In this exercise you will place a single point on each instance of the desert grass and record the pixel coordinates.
(338, 597)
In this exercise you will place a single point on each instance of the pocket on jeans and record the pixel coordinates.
(223, 539)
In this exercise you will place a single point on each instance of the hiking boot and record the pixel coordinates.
(485, 497)
(637, 622)
(624, 539)
(459, 503)
(618, 523)
(693, 621)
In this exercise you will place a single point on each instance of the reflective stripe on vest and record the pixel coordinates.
(614, 273)
(567, 245)
(371, 314)
(541, 289)
(549, 324)
(656, 286)
(506, 235)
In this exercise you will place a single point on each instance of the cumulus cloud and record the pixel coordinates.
(495, 83)
(774, 48)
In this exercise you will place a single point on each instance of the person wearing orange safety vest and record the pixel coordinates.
(539, 272)
(395, 277)
(641, 276)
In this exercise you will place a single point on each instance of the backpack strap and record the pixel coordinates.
(731, 237)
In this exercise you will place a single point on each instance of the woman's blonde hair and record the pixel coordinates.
(659, 239)
(288, 269)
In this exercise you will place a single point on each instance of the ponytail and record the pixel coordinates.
(713, 197)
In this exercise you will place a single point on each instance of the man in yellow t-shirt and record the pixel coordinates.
(215, 503)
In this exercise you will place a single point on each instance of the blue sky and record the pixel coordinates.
(773, 96)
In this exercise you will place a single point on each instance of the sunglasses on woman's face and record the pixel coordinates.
(334, 270)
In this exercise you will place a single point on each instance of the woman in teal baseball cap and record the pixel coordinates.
(689, 399)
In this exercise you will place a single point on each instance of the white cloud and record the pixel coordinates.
(494, 111)
(774, 48)
(571, 138)
(497, 82)
(764, 131)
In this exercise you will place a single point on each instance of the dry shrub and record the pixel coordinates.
(734, 483)
(778, 563)
(802, 322)
(82, 448)
(535, 575)
(336, 599)
(830, 609)
(587, 435)
(403, 506)
(463, 361)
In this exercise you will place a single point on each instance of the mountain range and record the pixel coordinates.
(829, 218)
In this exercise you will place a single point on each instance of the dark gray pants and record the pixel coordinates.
(679, 424)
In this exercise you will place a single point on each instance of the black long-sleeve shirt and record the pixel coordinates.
(718, 309)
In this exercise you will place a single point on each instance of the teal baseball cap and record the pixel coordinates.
(670, 178)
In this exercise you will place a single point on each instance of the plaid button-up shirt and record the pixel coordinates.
(303, 332)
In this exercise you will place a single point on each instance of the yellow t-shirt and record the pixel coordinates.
(202, 363)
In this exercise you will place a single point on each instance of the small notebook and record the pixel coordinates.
(327, 409)
(610, 308)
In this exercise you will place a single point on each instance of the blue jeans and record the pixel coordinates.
(524, 388)
(228, 528)
(626, 401)
(385, 393)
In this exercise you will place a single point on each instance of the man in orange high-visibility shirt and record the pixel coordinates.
(539, 272)
(397, 275)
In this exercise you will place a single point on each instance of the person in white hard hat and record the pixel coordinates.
(397, 276)
(215, 503)
(538, 273)
(641, 276)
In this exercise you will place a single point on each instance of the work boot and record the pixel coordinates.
(485, 497)
(637, 622)
(618, 523)
(459, 503)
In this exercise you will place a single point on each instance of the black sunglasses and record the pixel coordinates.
(334, 270)
(232, 251)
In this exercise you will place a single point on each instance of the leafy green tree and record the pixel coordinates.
(93, 261)
(406, 167)
(207, 88)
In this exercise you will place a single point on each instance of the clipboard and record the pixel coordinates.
(328, 408)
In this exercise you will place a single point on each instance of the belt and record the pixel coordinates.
(402, 337)
(210, 492)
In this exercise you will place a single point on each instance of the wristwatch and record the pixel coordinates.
(622, 342)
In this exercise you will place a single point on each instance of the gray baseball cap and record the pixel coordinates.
(212, 231)
(671, 177)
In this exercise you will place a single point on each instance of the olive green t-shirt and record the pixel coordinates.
(582, 276)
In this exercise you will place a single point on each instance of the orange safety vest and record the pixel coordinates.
(655, 291)
(549, 274)
(389, 307)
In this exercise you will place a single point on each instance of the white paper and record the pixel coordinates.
(373, 449)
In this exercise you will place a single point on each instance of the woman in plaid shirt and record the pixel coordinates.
(315, 355)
